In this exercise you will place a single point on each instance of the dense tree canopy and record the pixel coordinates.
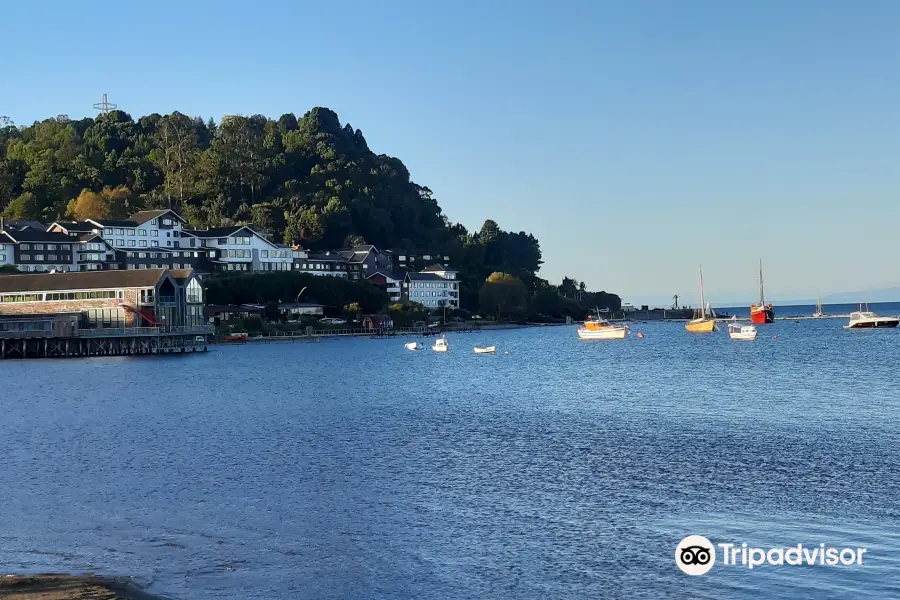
(308, 180)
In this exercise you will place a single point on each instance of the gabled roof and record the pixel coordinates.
(112, 223)
(26, 224)
(413, 276)
(436, 267)
(32, 235)
(394, 275)
(181, 275)
(90, 237)
(331, 255)
(73, 226)
(80, 280)
(217, 232)
(148, 215)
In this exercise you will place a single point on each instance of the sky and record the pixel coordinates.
(635, 139)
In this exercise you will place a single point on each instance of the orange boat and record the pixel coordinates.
(761, 313)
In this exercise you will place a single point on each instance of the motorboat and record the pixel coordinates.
(600, 329)
(485, 349)
(737, 331)
(865, 319)
(704, 320)
(412, 346)
(440, 345)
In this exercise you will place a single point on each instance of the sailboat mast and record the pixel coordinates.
(702, 299)
(762, 296)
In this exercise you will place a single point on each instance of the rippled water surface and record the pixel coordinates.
(564, 469)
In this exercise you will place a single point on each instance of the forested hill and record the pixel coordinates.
(308, 180)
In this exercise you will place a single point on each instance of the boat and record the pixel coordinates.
(736, 331)
(761, 313)
(485, 349)
(600, 329)
(235, 337)
(818, 314)
(703, 321)
(411, 345)
(440, 345)
(866, 319)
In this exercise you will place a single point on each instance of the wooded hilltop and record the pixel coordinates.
(309, 181)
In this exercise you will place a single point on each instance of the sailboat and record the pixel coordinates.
(818, 312)
(761, 313)
(703, 321)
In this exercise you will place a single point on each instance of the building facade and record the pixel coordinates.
(433, 287)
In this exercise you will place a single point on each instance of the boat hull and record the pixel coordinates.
(878, 324)
(700, 326)
(487, 350)
(609, 333)
(761, 315)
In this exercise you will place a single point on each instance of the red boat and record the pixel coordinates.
(761, 313)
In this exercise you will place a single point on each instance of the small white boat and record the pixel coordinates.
(412, 346)
(865, 319)
(440, 345)
(736, 331)
(485, 349)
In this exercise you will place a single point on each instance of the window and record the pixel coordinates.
(65, 247)
(193, 242)
(25, 256)
(25, 247)
(142, 232)
(153, 222)
(223, 241)
(178, 244)
(120, 232)
(154, 243)
(265, 253)
(131, 267)
(143, 243)
(51, 246)
(154, 233)
(38, 246)
(120, 243)
(142, 255)
(168, 243)
(168, 234)
(167, 221)
(154, 254)
(51, 257)
(2, 258)
(131, 243)
(130, 232)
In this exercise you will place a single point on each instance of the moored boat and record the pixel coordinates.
(703, 321)
(736, 331)
(440, 345)
(485, 349)
(866, 319)
(601, 329)
(411, 345)
(819, 313)
(235, 337)
(761, 313)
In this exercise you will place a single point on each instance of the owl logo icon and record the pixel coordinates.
(695, 555)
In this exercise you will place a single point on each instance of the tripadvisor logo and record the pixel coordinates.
(696, 555)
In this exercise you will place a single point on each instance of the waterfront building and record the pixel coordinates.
(390, 281)
(240, 248)
(103, 299)
(433, 287)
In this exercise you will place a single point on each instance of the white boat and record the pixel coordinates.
(818, 314)
(736, 331)
(865, 319)
(440, 345)
(485, 349)
(601, 329)
(412, 346)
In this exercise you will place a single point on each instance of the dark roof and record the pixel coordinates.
(113, 223)
(148, 215)
(436, 267)
(75, 226)
(290, 305)
(331, 255)
(87, 237)
(215, 232)
(26, 224)
(32, 235)
(82, 280)
(395, 275)
(413, 276)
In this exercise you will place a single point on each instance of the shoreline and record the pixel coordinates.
(62, 586)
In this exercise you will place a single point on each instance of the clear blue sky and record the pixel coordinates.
(635, 139)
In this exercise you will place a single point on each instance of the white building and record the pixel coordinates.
(434, 287)
(240, 248)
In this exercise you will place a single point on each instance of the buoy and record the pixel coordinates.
(640, 335)
(776, 337)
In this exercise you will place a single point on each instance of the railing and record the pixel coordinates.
(167, 300)
(137, 331)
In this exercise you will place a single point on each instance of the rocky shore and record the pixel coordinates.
(70, 587)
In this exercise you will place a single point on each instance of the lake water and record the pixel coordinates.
(565, 469)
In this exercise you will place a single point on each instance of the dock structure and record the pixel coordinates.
(102, 313)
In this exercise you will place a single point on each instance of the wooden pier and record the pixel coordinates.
(132, 341)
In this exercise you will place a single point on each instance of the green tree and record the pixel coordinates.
(23, 207)
(503, 294)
